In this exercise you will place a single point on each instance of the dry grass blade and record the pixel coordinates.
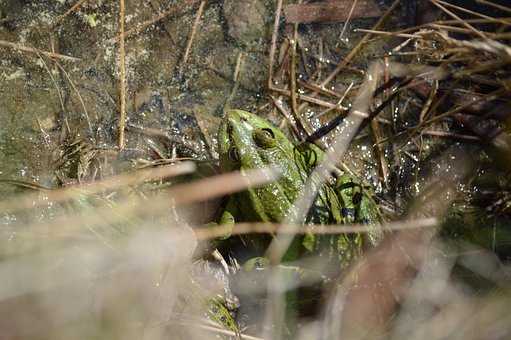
(122, 74)
(193, 32)
(137, 209)
(273, 47)
(221, 185)
(141, 26)
(70, 192)
(37, 51)
(85, 113)
(489, 3)
(270, 228)
(213, 328)
(464, 23)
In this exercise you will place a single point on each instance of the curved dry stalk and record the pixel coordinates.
(59, 93)
(134, 208)
(270, 228)
(86, 114)
(29, 201)
(193, 31)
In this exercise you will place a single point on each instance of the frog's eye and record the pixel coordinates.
(233, 154)
(264, 138)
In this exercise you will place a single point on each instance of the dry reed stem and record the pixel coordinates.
(59, 195)
(339, 102)
(393, 34)
(347, 22)
(38, 51)
(212, 327)
(204, 233)
(122, 80)
(287, 115)
(275, 310)
(133, 209)
(292, 75)
(193, 32)
(378, 133)
(451, 135)
(314, 87)
(309, 99)
(464, 23)
(477, 14)
(489, 3)
(273, 47)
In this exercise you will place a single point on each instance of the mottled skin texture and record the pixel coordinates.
(247, 142)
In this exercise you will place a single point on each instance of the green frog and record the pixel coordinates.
(247, 141)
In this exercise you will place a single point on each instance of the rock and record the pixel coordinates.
(245, 20)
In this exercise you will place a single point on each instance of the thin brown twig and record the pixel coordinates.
(292, 74)
(86, 114)
(59, 93)
(69, 11)
(314, 87)
(193, 31)
(273, 47)
(38, 51)
(378, 133)
(306, 98)
(122, 80)
(339, 103)
(141, 26)
(451, 135)
(393, 34)
(429, 101)
(287, 115)
(347, 22)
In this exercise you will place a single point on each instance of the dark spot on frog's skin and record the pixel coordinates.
(233, 154)
(348, 212)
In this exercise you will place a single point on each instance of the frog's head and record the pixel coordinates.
(247, 141)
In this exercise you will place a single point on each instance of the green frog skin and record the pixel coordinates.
(247, 141)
